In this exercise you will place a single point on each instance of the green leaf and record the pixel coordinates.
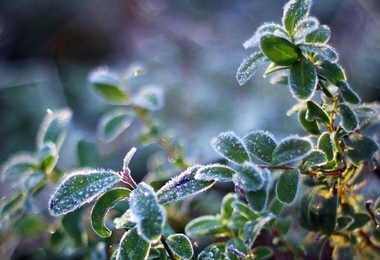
(80, 188)
(313, 158)
(132, 246)
(287, 186)
(87, 153)
(244, 210)
(321, 35)
(314, 111)
(146, 212)
(229, 146)
(48, 156)
(249, 178)
(113, 123)
(252, 228)
(303, 79)
(236, 221)
(343, 222)
(295, 11)
(73, 225)
(326, 213)
(273, 67)
(205, 226)
(267, 28)
(32, 180)
(54, 127)
(183, 186)
(262, 252)
(291, 149)
(279, 50)
(305, 27)
(347, 93)
(13, 205)
(150, 98)
(106, 201)
(226, 206)
(310, 126)
(128, 158)
(326, 145)
(283, 226)
(181, 246)
(235, 249)
(307, 215)
(332, 72)
(260, 144)
(18, 165)
(360, 219)
(321, 246)
(249, 67)
(215, 172)
(349, 120)
(282, 79)
(124, 221)
(106, 87)
(257, 199)
(323, 50)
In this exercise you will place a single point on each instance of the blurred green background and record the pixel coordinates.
(191, 49)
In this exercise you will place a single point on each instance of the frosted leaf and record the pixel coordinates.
(315, 112)
(48, 156)
(32, 180)
(257, 199)
(249, 66)
(364, 148)
(260, 144)
(326, 145)
(102, 205)
(132, 246)
(124, 221)
(229, 146)
(323, 50)
(347, 93)
(311, 126)
(295, 11)
(349, 120)
(205, 226)
(215, 172)
(279, 50)
(146, 212)
(273, 67)
(127, 158)
(17, 165)
(282, 79)
(113, 123)
(332, 72)
(267, 28)
(313, 158)
(287, 186)
(252, 228)
(54, 127)
(305, 27)
(80, 188)
(180, 246)
(303, 80)
(249, 178)
(321, 35)
(150, 97)
(183, 186)
(291, 149)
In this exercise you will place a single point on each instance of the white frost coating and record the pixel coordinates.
(249, 67)
(53, 127)
(260, 144)
(80, 188)
(217, 172)
(18, 164)
(296, 89)
(150, 97)
(304, 27)
(108, 130)
(291, 149)
(294, 11)
(128, 158)
(321, 49)
(265, 29)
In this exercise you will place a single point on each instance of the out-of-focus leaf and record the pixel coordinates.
(183, 186)
(32, 180)
(279, 50)
(326, 213)
(303, 79)
(180, 246)
(282, 79)
(215, 172)
(288, 185)
(54, 127)
(146, 212)
(262, 252)
(13, 205)
(360, 219)
(80, 188)
(150, 98)
(226, 206)
(229, 146)
(48, 156)
(132, 246)
(305, 27)
(87, 153)
(73, 225)
(249, 66)
(113, 123)
(343, 222)
(253, 227)
(18, 165)
(295, 11)
(290, 149)
(106, 201)
(260, 144)
(283, 226)
(235, 249)
(205, 226)
(326, 145)
(273, 67)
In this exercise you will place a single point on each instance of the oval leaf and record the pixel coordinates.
(107, 88)
(183, 186)
(150, 98)
(267, 28)
(252, 228)
(322, 50)
(258, 199)
(215, 172)
(279, 50)
(249, 66)
(287, 186)
(260, 144)
(327, 214)
(290, 149)
(321, 35)
(349, 120)
(347, 93)
(181, 246)
(249, 178)
(273, 67)
(360, 219)
(313, 158)
(295, 11)
(332, 72)
(304, 27)
(132, 246)
(87, 152)
(262, 252)
(310, 126)
(80, 188)
(113, 123)
(205, 226)
(146, 212)
(18, 165)
(48, 156)
(229, 146)
(106, 201)
(325, 144)
(364, 148)
(314, 111)
(54, 127)
(303, 79)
